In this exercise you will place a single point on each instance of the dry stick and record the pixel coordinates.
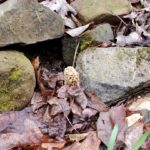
(77, 22)
(75, 54)
(71, 124)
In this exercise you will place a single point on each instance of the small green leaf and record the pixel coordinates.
(141, 140)
(113, 138)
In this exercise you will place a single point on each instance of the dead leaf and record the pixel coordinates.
(54, 144)
(89, 112)
(96, 103)
(76, 137)
(90, 143)
(146, 144)
(57, 126)
(76, 109)
(74, 146)
(63, 92)
(133, 133)
(62, 8)
(79, 97)
(132, 38)
(50, 79)
(118, 116)
(133, 119)
(22, 126)
(75, 127)
(38, 101)
(142, 103)
(104, 127)
(58, 106)
(36, 63)
(77, 31)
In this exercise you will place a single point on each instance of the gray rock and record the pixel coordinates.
(17, 80)
(99, 9)
(113, 72)
(68, 49)
(101, 33)
(27, 21)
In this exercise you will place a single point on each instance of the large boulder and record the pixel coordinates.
(17, 80)
(100, 9)
(114, 72)
(27, 21)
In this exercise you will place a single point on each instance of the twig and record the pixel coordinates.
(71, 123)
(75, 54)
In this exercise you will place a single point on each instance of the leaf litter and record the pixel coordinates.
(64, 113)
(70, 117)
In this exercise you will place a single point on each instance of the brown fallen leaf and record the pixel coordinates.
(54, 144)
(58, 105)
(104, 127)
(133, 133)
(91, 142)
(141, 103)
(96, 103)
(79, 97)
(146, 144)
(38, 101)
(74, 146)
(133, 119)
(89, 112)
(36, 63)
(36, 66)
(22, 127)
(57, 126)
(63, 92)
(75, 127)
(76, 109)
(50, 79)
(118, 116)
(88, 142)
(76, 137)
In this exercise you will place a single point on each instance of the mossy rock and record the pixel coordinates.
(99, 34)
(17, 80)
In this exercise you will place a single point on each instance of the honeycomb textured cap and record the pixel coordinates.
(71, 76)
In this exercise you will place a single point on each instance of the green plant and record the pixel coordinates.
(141, 140)
(113, 137)
(137, 144)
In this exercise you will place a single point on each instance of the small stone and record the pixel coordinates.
(17, 80)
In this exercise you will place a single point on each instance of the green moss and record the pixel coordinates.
(85, 42)
(7, 100)
(15, 74)
(6, 96)
(6, 104)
